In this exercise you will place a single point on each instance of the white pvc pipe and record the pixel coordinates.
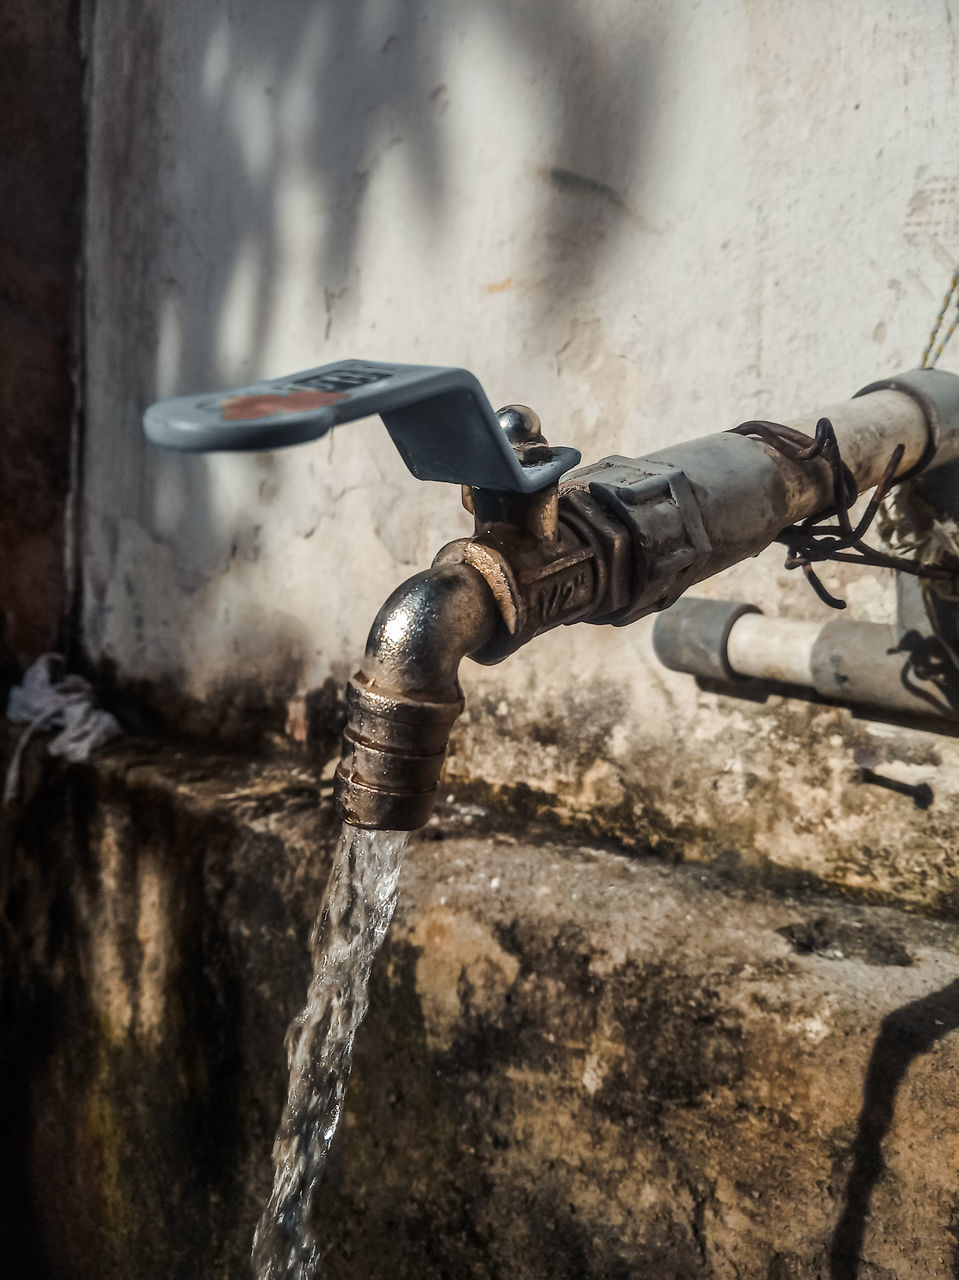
(857, 663)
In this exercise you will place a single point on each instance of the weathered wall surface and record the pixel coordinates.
(576, 1066)
(650, 221)
(41, 141)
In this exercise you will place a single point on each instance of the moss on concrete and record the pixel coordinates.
(775, 800)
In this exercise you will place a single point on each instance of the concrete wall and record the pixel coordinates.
(42, 144)
(576, 1066)
(649, 221)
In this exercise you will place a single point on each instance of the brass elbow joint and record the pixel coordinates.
(406, 696)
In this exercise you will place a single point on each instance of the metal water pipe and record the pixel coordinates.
(608, 543)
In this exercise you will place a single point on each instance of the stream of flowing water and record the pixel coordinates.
(353, 920)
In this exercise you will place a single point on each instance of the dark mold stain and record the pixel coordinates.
(125, 1155)
(837, 939)
(246, 715)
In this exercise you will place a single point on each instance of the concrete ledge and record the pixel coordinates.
(576, 1065)
(582, 1066)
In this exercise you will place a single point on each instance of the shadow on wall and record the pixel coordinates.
(235, 99)
(905, 1033)
(236, 177)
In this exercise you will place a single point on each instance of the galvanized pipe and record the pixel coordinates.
(696, 508)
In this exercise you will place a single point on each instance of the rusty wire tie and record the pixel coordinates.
(812, 542)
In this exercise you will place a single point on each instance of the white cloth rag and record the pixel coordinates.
(48, 699)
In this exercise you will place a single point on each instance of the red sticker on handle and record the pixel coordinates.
(247, 408)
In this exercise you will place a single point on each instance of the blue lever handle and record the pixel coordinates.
(440, 420)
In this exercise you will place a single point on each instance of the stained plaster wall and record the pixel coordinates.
(649, 221)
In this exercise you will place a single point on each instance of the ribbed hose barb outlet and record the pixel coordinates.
(405, 699)
(392, 754)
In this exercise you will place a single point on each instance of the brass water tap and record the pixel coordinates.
(609, 543)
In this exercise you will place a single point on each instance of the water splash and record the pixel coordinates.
(353, 920)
